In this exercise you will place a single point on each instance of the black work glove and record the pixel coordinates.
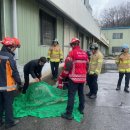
(65, 79)
(61, 60)
(19, 87)
(48, 60)
(94, 74)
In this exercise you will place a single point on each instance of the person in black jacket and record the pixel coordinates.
(34, 67)
(9, 80)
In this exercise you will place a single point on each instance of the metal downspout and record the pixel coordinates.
(4, 28)
(15, 32)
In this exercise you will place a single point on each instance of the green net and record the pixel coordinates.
(43, 101)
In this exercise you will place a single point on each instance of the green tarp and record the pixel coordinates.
(43, 101)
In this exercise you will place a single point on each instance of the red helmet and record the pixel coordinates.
(75, 40)
(14, 42)
(7, 41)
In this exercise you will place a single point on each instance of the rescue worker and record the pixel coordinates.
(89, 53)
(9, 80)
(123, 63)
(55, 56)
(75, 70)
(95, 66)
(33, 67)
(63, 82)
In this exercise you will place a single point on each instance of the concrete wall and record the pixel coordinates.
(76, 10)
(117, 42)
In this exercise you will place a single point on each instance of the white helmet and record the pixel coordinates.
(94, 46)
(55, 40)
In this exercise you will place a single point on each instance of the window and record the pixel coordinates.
(117, 35)
(47, 28)
(116, 49)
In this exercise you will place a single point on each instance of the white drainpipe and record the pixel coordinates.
(15, 33)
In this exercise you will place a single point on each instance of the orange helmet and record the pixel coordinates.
(74, 40)
(14, 42)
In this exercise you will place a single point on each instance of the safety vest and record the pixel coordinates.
(79, 65)
(55, 53)
(7, 82)
(95, 63)
(123, 62)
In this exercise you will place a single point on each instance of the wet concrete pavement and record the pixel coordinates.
(110, 111)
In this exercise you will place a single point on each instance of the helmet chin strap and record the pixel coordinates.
(9, 49)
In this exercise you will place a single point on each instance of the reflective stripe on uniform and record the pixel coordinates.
(60, 77)
(77, 75)
(4, 57)
(80, 61)
(95, 64)
(124, 66)
(65, 72)
(123, 62)
(82, 80)
(60, 84)
(55, 54)
(124, 70)
(7, 87)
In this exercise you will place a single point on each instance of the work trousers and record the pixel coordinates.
(127, 79)
(54, 69)
(92, 83)
(6, 106)
(72, 89)
(26, 82)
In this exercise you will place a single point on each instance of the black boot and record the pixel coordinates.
(88, 94)
(94, 96)
(118, 88)
(12, 124)
(126, 90)
(1, 123)
(67, 116)
(81, 111)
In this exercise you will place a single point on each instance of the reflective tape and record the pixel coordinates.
(80, 61)
(7, 87)
(4, 57)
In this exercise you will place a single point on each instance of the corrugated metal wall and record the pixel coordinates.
(29, 30)
(7, 16)
(69, 32)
